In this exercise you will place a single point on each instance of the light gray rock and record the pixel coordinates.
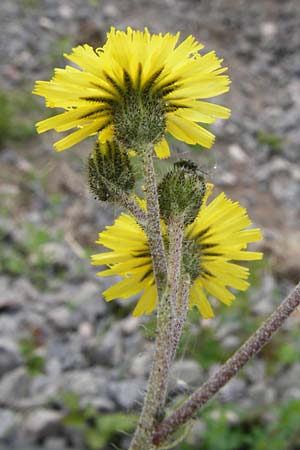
(89, 384)
(129, 325)
(105, 350)
(140, 364)
(10, 298)
(255, 371)
(10, 356)
(262, 393)
(54, 443)
(8, 422)
(234, 390)
(63, 318)
(289, 384)
(29, 292)
(89, 301)
(101, 404)
(15, 386)
(56, 253)
(67, 354)
(42, 423)
(187, 370)
(9, 325)
(127, 393)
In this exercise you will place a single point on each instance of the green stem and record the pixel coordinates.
(153, 224)
(175, 232)
(178, 285)
(130, 204)
(155, 397)
(182, 306)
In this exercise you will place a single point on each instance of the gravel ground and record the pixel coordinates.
(56, 333)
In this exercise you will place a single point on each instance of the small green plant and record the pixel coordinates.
(33, 361)
(98, 429)
(272, 140)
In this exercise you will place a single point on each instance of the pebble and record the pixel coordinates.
(187, 370)
(127, 393)
(10, 356)
(43, 423)
(8, 423)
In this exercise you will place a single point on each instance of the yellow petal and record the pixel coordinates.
(162, 149)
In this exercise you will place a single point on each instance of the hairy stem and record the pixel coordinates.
(155, 397)
(175, 232)
(251, 347)
(178, 285)
(182, 305)
(153, 224)
(131, 206)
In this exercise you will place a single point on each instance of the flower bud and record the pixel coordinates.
(109, 171)
(181, 192)
(139, 119)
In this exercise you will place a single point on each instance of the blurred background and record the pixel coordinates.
(73, 368)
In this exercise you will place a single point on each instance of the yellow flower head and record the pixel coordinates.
(212, 244)
(135, 89)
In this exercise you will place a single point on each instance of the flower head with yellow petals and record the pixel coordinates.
(135, 89)
(212, 247)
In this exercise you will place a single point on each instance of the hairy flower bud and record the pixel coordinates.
(139, 119)
(109, 171)
(181, 192)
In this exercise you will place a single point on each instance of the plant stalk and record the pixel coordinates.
(157, 385)
(154, 232)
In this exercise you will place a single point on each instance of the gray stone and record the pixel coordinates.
(42, 423)
(10, 356)
(188, 371)
(89, 301)
(289, 385)
(237, 153)
(43, 388)
(66, 353)
(14, 386)
(127, 393)
(105, 350)
(54, 443)
(262, 393)
(8, 422)
(255, 371)
(10, 299)
(9, 324)
(129, 325)
(102, 404)
(234, 390)
(24, 286)
(90, 383)
(140, 364)
(56, 253)
(63, 318)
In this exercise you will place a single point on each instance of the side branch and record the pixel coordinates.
(251, 347)
(130, 204)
